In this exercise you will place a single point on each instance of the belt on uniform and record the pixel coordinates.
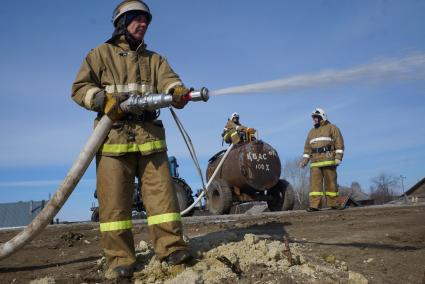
(145, 116)
(321, 149)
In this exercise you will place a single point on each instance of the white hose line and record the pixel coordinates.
(209, 181)
(189, 145)
(63, 192)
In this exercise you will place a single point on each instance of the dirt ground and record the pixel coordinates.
(379, 244)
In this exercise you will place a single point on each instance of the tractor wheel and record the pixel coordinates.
(95, 215)
(184, 195)
(220, 197)
(282, 196)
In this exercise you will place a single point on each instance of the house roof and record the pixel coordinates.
(415, 187)
(355, 194)
(359, 195)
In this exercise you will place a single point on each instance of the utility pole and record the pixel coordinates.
(402, 178)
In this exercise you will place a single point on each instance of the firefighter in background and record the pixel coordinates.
(135, 147)
(324, 148)
(231, 132)
(234, 132)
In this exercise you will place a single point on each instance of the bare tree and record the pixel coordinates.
(299, 179)
(384, 188)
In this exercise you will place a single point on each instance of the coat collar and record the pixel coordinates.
(324, 122)
(122, 43)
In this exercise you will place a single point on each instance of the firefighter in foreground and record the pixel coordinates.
(324, 148)
(234, 132)
(135, 147)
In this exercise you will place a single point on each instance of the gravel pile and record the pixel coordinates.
(245, 258)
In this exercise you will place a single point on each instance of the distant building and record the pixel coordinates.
(416, 193)
(354, 196)
(19, 213)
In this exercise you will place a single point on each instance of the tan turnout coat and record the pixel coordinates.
(230, 131)
(114, 68)
(326, 135)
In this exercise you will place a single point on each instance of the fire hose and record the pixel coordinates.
(209, 181)
(192, 152)
(147, 102)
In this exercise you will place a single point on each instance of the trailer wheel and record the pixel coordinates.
(282, 196)
(220, 198)
(184, 195)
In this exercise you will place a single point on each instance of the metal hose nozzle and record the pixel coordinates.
(138, 104)
(196, 96)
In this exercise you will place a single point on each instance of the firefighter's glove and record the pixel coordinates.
(98, 101)
(178, 94)
(337, 162)
(303, 163)
(112, 107)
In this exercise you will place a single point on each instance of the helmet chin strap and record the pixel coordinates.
(134, 44)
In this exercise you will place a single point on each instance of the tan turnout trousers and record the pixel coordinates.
(328, 177)
(115, 187)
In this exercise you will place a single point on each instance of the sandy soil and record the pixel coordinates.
(364, 245)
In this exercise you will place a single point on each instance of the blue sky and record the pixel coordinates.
(217, 44)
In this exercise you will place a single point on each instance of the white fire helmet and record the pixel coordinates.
(130, 5)
(320, 112)
(234, 115)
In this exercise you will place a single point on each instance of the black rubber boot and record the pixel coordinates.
(178, 257)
